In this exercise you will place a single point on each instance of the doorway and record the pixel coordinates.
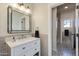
(65, 17)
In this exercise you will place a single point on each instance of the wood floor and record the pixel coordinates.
(64, 49)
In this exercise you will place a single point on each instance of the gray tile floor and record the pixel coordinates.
(64, 49)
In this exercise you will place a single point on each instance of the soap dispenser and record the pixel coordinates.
(37, 32)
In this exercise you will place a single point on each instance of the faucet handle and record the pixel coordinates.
(14, 38)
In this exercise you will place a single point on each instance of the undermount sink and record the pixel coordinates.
(19, 41)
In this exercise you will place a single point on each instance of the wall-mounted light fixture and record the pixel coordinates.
(22, 7)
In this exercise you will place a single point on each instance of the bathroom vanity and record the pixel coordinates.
(20, 22)
(24, 47)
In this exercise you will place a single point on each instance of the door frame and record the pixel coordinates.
(50, 6)
(76, 26)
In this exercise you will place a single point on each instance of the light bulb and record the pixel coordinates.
(28, 10)
(22, 8)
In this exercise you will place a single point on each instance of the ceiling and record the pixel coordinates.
(71, 6)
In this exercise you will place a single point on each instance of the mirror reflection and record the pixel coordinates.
(18, 21)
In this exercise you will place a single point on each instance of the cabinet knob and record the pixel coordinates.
(35, 49)
(24, 55)
(23, 48)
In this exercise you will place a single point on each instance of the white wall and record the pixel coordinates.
(3, 19)
(40, 19)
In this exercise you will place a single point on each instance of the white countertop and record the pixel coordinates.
(20, 41)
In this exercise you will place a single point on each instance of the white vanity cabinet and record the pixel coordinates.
(28, 47)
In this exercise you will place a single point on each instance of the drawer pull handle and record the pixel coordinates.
(23, 48)
(35, 49)
(24, 55)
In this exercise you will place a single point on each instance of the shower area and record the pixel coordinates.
(66, 30)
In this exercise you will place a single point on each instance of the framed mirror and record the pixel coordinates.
(18, 22)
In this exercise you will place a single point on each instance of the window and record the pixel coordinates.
(67, 23)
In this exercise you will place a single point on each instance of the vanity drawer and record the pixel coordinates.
(29, 52)
(34, 50)
(20, 49)
(35, 43)
(25, 53)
